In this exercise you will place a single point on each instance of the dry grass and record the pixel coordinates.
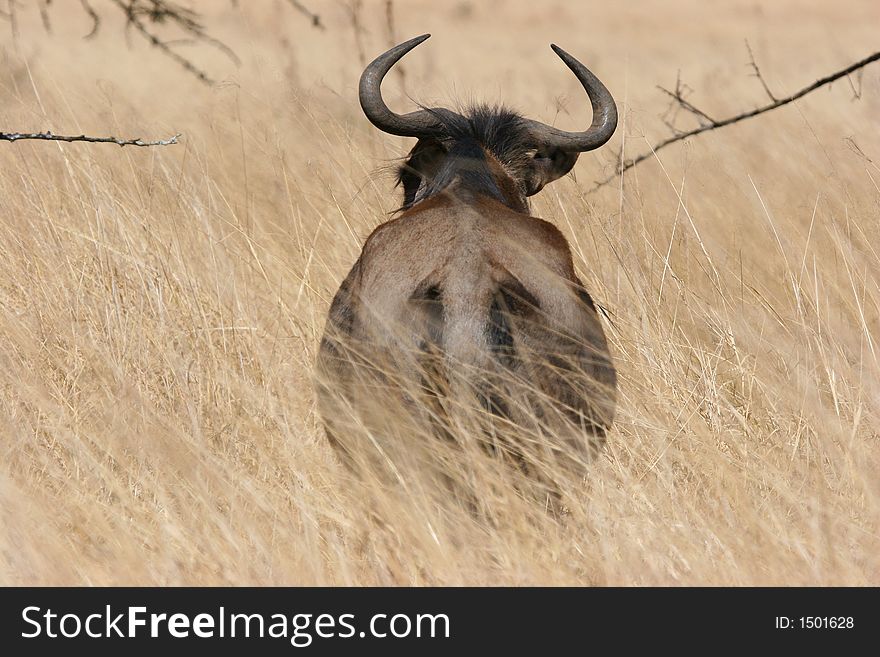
(160, 309)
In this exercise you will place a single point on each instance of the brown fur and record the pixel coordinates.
(463, 302)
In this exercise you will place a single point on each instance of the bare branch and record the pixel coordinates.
(160, 11)
(857, 91)
(96, 20)
(150, 17)
(678, 97)
(134, 20)
(48, 136)
(714, 125)
(305, 11)
(757, 73)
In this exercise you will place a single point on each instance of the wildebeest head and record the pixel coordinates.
(492, 150)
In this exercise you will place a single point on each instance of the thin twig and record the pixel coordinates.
(186, 19)
(828, 79)
(757, 73)
(149, 17)
(158, 43)
(679, 98)
(96, 20)
(48, 136)
(857, 91)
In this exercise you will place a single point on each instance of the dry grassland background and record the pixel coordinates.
(160, 309)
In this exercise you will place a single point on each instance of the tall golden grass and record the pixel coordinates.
(160, 309)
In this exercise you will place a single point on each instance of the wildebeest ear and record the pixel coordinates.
(422, 163)
(547, 165)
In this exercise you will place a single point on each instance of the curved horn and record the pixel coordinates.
(422, 123)
(604, 113)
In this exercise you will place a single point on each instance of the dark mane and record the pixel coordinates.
(498, 130)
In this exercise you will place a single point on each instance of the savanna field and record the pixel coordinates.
(161, 308)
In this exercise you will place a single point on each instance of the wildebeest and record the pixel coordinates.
(464, 303)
